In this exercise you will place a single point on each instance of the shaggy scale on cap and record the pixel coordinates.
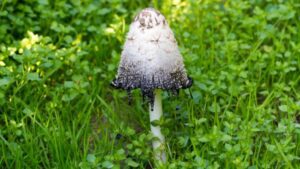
(150, 59)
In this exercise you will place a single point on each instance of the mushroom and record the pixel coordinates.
(151, 61)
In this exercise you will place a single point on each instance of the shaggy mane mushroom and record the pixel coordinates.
(151, 61)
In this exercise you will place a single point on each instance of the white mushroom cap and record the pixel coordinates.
(151, 58)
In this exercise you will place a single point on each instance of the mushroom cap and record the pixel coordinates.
(150, 58)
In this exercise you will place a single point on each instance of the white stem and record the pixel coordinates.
(155, 114)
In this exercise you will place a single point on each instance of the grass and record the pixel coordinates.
(57, 109)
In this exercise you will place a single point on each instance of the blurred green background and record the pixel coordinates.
(57, 109)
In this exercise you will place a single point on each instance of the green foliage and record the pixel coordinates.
(57, 109)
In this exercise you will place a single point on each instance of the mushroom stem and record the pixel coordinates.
(155, 114)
